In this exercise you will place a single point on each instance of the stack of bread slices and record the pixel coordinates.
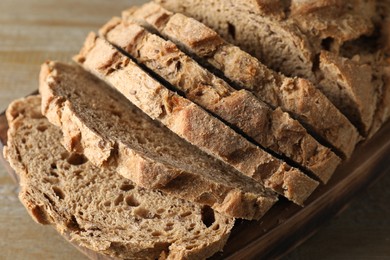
(181, 116)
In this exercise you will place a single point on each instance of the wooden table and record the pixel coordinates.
(32, 31)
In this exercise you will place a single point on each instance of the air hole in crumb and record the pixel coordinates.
(107, 203)
(132, 201)
(54, 174)
(160, 211)
(168, 228)
(178, 66)
(156, 233)
(64, 155)
(76, 159)
(50, 180)
(189, 247)
(327, 43)
(118, 200)
(126, 187)
(24, 140)
(116, 113)
(232, 30)
(192, 225)
(216, 227)
(72, 223)
(59, 193)
(142, 212)
(185, 214)
(208, 217)
(141, 140)
(53, 166)
(42, 128)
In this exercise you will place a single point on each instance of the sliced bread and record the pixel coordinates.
(97, 208)
(348, 85)
(271, 129)
(382, 113)
(296, 96)
(191, 122)
(324, 24)
(103, 125)
(279, 44)
(330, 23)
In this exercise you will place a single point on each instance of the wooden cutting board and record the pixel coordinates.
(35, 30)
(286, 225)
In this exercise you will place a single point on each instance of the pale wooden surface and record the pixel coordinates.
(32, 31)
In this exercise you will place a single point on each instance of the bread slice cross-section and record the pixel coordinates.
(191, 122)
(97, 208)
(274, 130)
(100, 123)
(349, 86)
(278, 43)
(297, 96)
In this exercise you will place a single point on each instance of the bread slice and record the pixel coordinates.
(97, 208)
(278, 43)
(103, 125)
(348, 85)
(382, 113)
(291, 34)
(333, 22)
(236, 65)
(272, 129)
(191, 122)
(326, 25)
(296, 96)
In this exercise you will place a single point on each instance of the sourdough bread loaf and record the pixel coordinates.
(97, 208)
(191, 122)
(185, 172)
(322, 26)
(284, 136)
(271, 129)
(111, 132)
